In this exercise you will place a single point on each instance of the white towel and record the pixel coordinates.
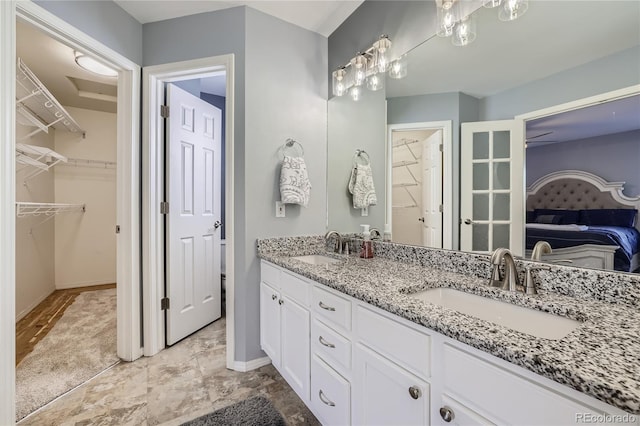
(361, 186)
(295, 187)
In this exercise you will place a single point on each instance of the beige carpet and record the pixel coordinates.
(80, 345)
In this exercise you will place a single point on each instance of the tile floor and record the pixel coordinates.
(180, 383)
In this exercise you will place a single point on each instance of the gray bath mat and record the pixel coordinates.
(256, 411)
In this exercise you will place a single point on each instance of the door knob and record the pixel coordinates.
(421, 219)
(217, 225)
(468, 222)
(446, 413)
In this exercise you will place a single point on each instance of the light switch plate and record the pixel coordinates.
(365, 211)
(280, 211)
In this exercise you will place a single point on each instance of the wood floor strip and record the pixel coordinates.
(37, 323)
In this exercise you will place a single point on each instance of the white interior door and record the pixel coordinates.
(492, 186)
(432, 190)
(193, 223)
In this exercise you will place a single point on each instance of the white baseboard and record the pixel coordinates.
(243, 367)
(30, 308)
(64, 286)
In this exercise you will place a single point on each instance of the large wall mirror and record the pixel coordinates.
(558, 89)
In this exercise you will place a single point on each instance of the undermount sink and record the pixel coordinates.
(316, 259)
(525, 320)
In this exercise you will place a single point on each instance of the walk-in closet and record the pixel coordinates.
(66, 145)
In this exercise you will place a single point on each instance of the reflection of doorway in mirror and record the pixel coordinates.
(416, 189)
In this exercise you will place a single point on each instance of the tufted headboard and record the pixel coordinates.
(577, 190)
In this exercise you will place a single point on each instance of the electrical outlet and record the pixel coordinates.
(365, 211)
(280, 212)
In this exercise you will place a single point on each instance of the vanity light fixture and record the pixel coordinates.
(368, 69)
(464, 32)
(93, 65)
(447, 16)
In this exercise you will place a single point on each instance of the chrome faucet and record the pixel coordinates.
(337, 247)
(510, 280)
(541, 247)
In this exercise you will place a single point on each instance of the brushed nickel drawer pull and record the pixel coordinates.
(327, 308)
(325, 399)
(325, 343)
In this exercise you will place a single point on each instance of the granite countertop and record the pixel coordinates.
(600, 358)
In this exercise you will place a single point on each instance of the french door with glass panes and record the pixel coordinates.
(492, 186)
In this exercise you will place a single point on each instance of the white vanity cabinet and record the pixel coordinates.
(285, 325)
(357, 364)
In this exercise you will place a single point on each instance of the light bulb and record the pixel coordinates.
(339, 83)
(355, 93)
(513, 9)
(490, 4)
(381, 56)
(375, 82)
(447, 16)
(359, 69)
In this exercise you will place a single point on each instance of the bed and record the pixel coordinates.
(586, 220)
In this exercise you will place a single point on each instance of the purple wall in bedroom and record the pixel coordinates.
(614, 157)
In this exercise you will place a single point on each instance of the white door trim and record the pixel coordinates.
(447, 176)
(154, 78)
(128, 290)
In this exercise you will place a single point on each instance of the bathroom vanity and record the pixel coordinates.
(359, 346)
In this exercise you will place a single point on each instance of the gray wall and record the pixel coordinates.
(355, 125)
(103, 20)
(613, 72)
(285, 98)
(621, 151)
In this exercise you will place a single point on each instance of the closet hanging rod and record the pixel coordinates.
(47, 209)
(85, 162)
(405, 142)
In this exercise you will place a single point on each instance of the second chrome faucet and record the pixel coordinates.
(510, 280)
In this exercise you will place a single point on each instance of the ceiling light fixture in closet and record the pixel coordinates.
(368, 69)
(93, 65)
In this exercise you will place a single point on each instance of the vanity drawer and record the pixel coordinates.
(510, 398)
(330, 394)
(331, 346)
(295, 287)
(270, 274)
(405, 346)
(334, 308)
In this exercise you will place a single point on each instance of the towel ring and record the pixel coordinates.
(362, 155)
(292, 144)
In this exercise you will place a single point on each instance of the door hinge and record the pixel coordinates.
(441, 147)
(164, 303)
(164, 111)
(440, 208)
(164, 207)
(117, 229)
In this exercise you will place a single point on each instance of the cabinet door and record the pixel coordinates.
(270, 323)
(295, 360)
(385, 394)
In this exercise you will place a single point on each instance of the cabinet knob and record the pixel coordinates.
(415, 392)
(446, 413)
(274, 297)
(281, 301)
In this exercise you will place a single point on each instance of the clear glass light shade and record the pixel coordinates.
(447, 16)
(464, 32)
(375, 81)
(381, 53)
(339, 82)
(512, 9)
(356, 93)
(398, 68)
(358, 69)
(490, 4)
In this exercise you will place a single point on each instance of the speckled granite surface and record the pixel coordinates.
(600, 358)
